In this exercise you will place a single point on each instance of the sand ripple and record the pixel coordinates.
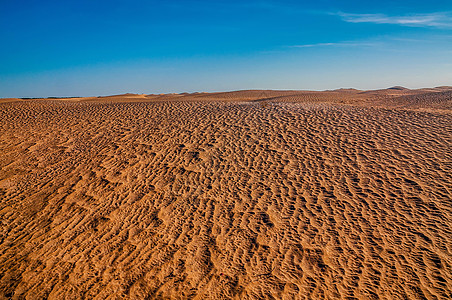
(184, 199)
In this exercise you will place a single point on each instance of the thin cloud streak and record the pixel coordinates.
(440, 19)
(337, 44)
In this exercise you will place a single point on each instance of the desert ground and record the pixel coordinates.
(342, 194)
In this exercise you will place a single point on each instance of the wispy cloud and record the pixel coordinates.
(440, 19)
(338, 44)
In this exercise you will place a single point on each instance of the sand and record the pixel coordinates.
(249, 195)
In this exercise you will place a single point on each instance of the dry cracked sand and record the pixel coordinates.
(249, 195)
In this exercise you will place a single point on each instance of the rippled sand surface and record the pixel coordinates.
(180, 199)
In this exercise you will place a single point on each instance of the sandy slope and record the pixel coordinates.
(177, 198)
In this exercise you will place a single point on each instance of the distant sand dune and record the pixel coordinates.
(397, 97)
(302, 195)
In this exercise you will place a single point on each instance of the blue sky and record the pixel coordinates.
(82, 48)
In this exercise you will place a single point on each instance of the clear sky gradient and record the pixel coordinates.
(83, 48)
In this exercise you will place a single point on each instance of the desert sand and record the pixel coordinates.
(341, 194)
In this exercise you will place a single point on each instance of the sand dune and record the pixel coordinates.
(430, 100)
(249, 194)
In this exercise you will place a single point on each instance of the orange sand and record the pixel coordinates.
(252, 194)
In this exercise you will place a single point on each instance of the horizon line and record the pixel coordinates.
(396, 87)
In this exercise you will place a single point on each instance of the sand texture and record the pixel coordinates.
(249, 195)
